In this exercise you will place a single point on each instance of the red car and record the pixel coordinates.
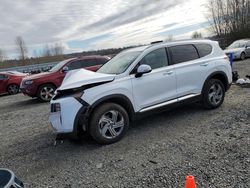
(10, 82)
(43, 85)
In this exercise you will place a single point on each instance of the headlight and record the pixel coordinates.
(28, 82)
(75, 92)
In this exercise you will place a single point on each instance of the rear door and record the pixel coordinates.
(157, 86)
(191, 67)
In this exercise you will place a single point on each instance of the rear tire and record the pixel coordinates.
(242, 56)
(213, 94)
(13, 89)
(46, 92)
(108, 123)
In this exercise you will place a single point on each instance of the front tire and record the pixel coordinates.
(46, 92)
(108, 123)
(213, 94)
(13, 89)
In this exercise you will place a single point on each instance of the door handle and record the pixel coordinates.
(204, 64)
(168, 73)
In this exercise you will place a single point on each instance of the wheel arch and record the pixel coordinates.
(220, 76)
(84, 115)
(40, 85)
(119, 99)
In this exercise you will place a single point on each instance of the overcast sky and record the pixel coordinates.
(96, 24)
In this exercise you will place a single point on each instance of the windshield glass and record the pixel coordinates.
(119, 63)
(58, 66)
(237, 44)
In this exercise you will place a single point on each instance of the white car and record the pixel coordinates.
(240, 49)
(138, 81)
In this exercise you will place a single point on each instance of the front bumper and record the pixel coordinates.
(29, 90)
(64, 121)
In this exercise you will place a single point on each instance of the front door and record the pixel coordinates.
(157, 86)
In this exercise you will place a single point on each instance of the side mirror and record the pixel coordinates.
(143, 69)
(65, 69)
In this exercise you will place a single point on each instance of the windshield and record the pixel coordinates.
(119, 63)
(237, 44)
(58, 66)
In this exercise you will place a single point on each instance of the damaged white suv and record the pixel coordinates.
(137, 81)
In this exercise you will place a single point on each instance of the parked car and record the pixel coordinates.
(138, 81)
(43, 85)
(10, 82)
(240, 49)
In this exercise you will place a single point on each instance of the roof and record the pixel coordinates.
(177, 42)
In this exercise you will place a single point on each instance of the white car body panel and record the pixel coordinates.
(155, 87)
(74, 79)
(63, 121)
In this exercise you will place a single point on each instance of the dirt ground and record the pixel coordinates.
(158, 151)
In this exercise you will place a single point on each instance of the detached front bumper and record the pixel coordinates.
(64, 114)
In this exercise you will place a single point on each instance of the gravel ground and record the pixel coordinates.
(158, 151)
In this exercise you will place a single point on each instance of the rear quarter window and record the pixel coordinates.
(204, 49)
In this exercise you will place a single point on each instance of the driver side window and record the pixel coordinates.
(74, 65)
(156, 59)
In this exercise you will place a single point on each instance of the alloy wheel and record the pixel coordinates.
(111, 124)
(13, 89)
(215, 94)
(47, 93)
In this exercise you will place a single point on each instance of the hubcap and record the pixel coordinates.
(47, 93)
(13, 89)
(215, 94)
(111, 124)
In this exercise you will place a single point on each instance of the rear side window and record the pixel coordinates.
(204, 49)
(156, 59)
(183, 53)
(88, 62)
(101, 61)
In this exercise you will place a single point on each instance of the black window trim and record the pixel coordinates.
(133, 71)
(171, 54)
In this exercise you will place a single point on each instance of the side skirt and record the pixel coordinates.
(167, 105)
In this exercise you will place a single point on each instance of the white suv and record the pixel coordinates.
(137, 81)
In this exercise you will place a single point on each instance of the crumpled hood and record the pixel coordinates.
(233, 50)
(36, 76)
(81, 77)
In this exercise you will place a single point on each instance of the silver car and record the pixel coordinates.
(240, 49)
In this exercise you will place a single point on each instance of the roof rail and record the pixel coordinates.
(155, 42)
